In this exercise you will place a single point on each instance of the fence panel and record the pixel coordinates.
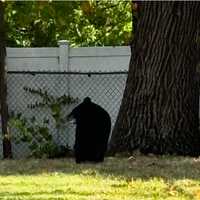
(97, 72)
(105, 89)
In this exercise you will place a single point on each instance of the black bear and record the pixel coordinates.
(93, 125)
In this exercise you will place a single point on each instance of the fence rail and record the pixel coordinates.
(58, 72)
(64, 58)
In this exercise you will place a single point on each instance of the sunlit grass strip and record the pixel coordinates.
(116, 179)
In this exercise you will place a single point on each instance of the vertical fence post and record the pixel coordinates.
(7, 151)
(64, 60)
(63, 55)
(64, 66)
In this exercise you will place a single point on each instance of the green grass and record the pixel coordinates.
(138, 177)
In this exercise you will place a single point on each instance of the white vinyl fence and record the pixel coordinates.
(97, 72)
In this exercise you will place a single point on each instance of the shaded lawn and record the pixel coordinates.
(119, 178)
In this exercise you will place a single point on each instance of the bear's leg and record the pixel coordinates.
(79, 153)
(79, 157)
(98, 154)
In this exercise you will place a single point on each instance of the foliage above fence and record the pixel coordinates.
(87, 23)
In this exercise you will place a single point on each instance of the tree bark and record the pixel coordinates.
(159, 109)
(7, 153)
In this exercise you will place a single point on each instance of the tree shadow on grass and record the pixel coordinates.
(143, 167)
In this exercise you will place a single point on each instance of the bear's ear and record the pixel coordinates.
(87, 100)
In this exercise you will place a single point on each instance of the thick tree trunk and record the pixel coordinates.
(159, 110)
(3, 89)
